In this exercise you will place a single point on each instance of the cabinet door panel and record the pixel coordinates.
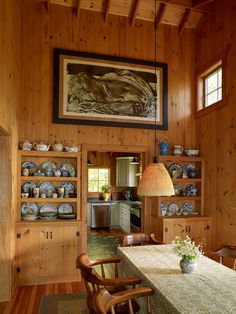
(199, 232)
(173, 229)
(48, 254)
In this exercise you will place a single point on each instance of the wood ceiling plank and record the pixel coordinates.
(160, 14)
(134, 11)
(184, 20)
(107, 10)
(199, 3)
(78, 8)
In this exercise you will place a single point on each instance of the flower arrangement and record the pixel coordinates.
(186, 248)
(106, 188)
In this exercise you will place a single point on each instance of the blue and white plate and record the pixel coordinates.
(187, 207)
(173, 208)
(25, 187)
(29, 208)
(68, 186)
(192, 189)
(44, 187)
(175, 170)
(49, 165)
(28, 165)
(65, 208)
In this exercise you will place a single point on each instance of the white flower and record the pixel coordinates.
(186, 248)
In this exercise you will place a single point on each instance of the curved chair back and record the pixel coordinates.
(139, 238)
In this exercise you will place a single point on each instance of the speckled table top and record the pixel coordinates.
(210, 289)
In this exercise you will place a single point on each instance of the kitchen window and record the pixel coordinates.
(97, 177)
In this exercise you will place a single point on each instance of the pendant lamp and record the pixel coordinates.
(155, 180)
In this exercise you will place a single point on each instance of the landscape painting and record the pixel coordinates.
(110, 91)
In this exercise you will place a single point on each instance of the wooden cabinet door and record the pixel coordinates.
(173, 228)
(47, 253)
(199, 231)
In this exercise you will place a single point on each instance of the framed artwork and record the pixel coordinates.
(94, 89)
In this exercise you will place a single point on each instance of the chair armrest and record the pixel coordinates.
(134, 293)
(113, 259)
(116, 282)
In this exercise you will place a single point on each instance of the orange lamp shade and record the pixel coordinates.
(155, 181)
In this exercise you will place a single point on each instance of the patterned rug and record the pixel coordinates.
(104, 245)
(70, 303)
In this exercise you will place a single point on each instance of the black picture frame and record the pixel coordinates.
(104, 90)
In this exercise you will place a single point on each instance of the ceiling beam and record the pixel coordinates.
(160, 14)
(107, 10)
(47, 5)
(199, 3)
(184, 20)
(134, 11)
(77, 8)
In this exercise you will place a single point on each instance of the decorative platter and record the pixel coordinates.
(48, 212)
(173, 208)
(175, 170)
(29, 216)
(68, 186)
(45, 186)
(192, 189)
(190, 167)
(29, 208)
(49, 165)
(187, 207)
(69, 168)
(28, 186)
(29, 165)
(65, 208)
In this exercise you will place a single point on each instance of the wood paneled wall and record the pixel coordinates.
(10, 56)
(216, 131)
(59, 27)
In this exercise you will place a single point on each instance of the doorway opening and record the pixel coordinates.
(125, 166)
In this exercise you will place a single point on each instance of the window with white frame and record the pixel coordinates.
(213, 87)
(210, 86)
(97, 177)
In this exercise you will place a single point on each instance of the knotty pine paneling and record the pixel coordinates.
(59, 27)
(10, 96)
(216, 131)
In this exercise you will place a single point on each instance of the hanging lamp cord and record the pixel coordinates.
(155, 89)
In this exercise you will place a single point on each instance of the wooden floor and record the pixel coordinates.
(27, 298)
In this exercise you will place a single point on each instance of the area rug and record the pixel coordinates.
(102, 245)
(70, 303)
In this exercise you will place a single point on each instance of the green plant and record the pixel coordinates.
(186, 248)
(106, 188)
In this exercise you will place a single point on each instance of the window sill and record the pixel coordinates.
(217, 106)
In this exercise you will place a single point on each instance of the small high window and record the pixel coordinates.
(213, 87)
(97, 177)
(210, 86)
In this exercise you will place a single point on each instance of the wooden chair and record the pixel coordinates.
(105, 302)
(94, 281)
(225, 251)
(138, 238)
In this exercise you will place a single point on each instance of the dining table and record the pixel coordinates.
(211, 288)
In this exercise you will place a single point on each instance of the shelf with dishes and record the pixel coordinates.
(41, 178)
(31, 211)
(49, 182)
(187, 174)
